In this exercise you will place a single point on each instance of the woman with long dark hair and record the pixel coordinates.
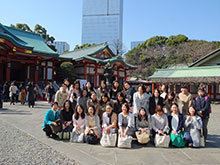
(120, 100)
(102, 90)
(193, 125)
(66, 116)
(89, 88)
(114, 91)
(142, 123)
(93, 129)
(79, 124)
(154, 101)
(169, 101)
(94, 102)
(82, 100)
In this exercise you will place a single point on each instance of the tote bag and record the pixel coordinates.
(108, 140)
(162, 140)
(77, 136)
(124, 142)
(143, 138)
(178, 140)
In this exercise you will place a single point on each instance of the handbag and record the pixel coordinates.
(91, 139)
(124, 142)
(178, 139)
(162, 140)
(77, 136)
(108, 140)
(143, 137)
(56, 129)
(65, 134)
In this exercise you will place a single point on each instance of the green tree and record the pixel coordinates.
(83, 46)
(65, 70)
(21, 26)
(49, 39)
(162, 52)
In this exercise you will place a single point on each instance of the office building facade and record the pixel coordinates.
(102, 21)
(61, 46)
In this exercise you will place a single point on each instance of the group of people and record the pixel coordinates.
(22, 92)
(89, 115)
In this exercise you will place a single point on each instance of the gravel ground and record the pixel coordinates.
(16, 147)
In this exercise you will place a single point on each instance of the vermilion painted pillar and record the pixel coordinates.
(36, 76)
(152, 88)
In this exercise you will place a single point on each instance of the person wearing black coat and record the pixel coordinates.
(180, 123)
(203, 106)
(51, 91)
(66, 116)
(31, 98)
(154, 101)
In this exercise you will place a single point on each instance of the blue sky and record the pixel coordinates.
(197, 19)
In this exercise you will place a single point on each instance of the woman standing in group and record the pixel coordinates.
(102, 90)
(74, 92)
(114, 91)
(175, 120)
(140, 99)
(94, 102)
(89, 89)
(103, 102)
(120, 100)
(154, 101)
(169, 101)
(79, 124)
(193, 125)
(82, 100)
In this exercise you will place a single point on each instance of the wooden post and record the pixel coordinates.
(152, 88)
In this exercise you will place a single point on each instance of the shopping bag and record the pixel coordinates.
(162, 140)
(143, 138)
(108, 140)
(124, 142)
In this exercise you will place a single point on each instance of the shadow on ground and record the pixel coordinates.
(213, 141)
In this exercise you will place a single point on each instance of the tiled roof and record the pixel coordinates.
(86, 53)
(79, 53)
(27, 40)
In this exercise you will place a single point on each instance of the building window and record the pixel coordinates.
(49, 73)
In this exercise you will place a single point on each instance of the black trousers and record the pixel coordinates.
(50, 97)
(13, 98)
(48, 130)
(31, 103)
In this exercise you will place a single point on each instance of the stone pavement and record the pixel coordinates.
(30, 121)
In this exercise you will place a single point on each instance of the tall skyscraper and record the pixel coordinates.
(102, 21)
(61, 46)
